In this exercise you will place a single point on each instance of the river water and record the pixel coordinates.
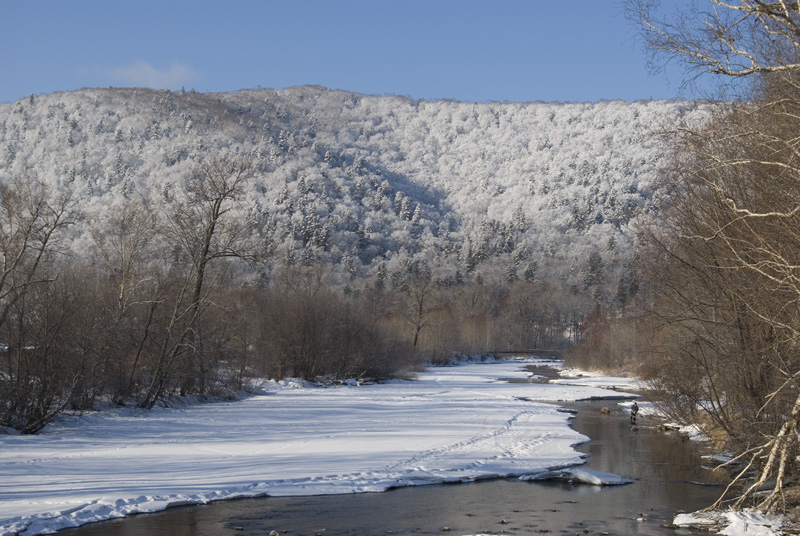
(668, 472)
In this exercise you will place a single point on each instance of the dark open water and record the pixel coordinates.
(665, 468)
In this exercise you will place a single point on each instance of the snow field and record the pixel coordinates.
(452, 424)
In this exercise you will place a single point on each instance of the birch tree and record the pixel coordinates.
(727, 267)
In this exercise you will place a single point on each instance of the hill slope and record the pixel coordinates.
(524, 190)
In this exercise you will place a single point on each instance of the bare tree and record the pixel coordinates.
(202, 228)
(729, 266)
(299, 334)
(127, 264)
(30, 220)
(414, 280)
(32, 388)
(199, 222)
(310, 328)
(732, 38)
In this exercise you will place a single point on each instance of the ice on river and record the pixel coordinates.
(456, 423)
(585, 476)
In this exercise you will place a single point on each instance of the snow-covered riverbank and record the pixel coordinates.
(452, 424)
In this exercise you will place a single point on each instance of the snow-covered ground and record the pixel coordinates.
(454, 423)
(732, 523)
(596, 379)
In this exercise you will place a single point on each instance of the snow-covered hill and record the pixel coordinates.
(524, 190)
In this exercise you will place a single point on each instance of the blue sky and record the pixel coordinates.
(507, 50)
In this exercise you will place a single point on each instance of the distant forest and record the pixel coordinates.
(161, 243)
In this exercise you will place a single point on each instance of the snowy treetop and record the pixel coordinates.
(363, 179)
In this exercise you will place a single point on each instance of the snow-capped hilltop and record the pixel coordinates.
(359, 180)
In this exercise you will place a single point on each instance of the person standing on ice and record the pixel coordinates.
(634, 411)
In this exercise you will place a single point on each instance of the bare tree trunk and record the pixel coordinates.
(729, 281)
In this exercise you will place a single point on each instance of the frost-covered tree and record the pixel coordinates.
(491, 197)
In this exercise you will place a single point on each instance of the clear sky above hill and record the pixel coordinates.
(469, 50)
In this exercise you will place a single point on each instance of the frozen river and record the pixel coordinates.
(666, 470)
(452, 424)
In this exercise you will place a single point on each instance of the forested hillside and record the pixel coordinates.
(159, 243)
(531, 190)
